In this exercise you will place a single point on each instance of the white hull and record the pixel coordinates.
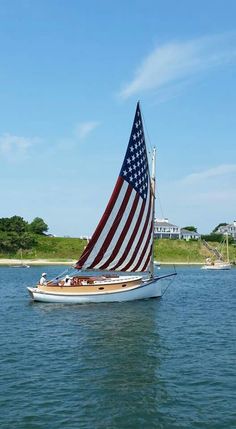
(148, 289)
(19, 266)
(216, 267)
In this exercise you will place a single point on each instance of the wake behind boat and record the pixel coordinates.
(122, 241)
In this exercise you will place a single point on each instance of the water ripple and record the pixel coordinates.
(162, 364)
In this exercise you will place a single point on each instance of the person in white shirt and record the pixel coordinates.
(43, 280)
(67, 281)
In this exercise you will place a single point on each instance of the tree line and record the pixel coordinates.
(16, 233)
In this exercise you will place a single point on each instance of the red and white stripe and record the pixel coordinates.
(123, 238)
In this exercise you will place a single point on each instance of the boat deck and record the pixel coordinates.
(82, 284)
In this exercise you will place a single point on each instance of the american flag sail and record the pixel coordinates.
(123, 238)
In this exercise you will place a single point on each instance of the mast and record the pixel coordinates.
(153, 190)
(227, 247)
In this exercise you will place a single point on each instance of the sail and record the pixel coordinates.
(123, 238)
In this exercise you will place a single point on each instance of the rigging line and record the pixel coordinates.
(159, 203)
(148, 136)
(146, 131)
(167, 287)
(150, 154)
(62, 274)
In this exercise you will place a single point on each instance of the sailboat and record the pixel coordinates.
(220, 263)
(122, 242)
(22, 264)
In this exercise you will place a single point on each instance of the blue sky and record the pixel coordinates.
(71, 73)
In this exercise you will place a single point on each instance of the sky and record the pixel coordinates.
(71, 73)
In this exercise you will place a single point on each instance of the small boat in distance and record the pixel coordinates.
(216, 265)
(22, 264)
(122, 242)
(220, 263)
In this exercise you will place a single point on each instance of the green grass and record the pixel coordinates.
(165, 250)
(179, 251)
(54, 248)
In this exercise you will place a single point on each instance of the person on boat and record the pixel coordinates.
(43, 280)
(67, 281)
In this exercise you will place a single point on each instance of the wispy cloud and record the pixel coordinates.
(15, 147)
(220, 170)
(83, 129)
(176, 62)
(202, 199)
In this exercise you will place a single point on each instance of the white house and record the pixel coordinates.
(164, 229)
(229, 229)
(189, 235)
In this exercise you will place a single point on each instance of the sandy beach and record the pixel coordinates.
(34, 262)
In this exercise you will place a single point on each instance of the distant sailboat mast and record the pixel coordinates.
(227, 246)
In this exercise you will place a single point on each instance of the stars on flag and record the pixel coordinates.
(135, 161)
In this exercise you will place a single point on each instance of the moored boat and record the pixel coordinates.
(219, 264)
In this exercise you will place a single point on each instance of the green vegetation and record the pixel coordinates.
(20, 238)
(165, 250)
(190, 228)
(216, 238)
(38, 226)
(57, 248)
(17, 235)
(180, 251)
(52, 248)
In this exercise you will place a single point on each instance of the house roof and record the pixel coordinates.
(229, 225)
(186, 231)
(157, 223)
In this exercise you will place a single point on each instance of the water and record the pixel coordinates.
(161, 364)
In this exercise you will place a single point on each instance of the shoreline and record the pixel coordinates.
(38, 262)
(11, 262)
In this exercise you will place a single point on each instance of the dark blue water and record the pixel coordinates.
(165, 364)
